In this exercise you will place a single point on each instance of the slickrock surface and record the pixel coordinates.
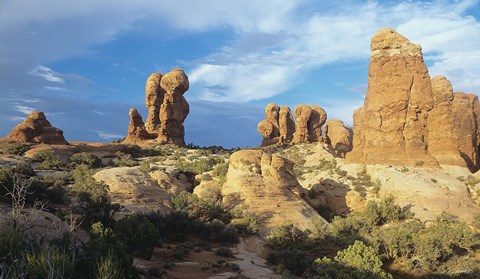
(37, 129)
(266, 184)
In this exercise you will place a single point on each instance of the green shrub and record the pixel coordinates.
(145, 166)
(139, 235)
(94, 205)
(363, 258)
(85, 158)
(108, 254)
(384, 211)
(199, 166)
(396, 241)
(16, 148)
(293, 261)
(287, 237)
(124, 160)
(47, 161)
(223, 252)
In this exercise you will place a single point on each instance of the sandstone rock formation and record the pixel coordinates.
(167, 110)
(465, 110)
(268, 127)
(154, 94)
(278, 127)
(267, 186)
(37, 129)
(315, 123)
(174, 108)
(302, 115)
(136, 129)
(408, 118)
(286, 125)
(339, 136)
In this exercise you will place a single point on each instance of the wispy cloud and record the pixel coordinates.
(108, 136)
(24, 109)
(47, 74)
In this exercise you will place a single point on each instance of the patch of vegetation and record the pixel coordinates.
(199, 166)
(85, 158)
(47, 161)
(124, 160)
(93, 203)
(17, 148)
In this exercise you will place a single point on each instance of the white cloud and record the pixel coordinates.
(47, 74)
(341, 34)
(276, 42)
(24, 109)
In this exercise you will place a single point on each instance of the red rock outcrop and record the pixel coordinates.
(167, 110)
(339, 136)
(443, 141)
(37, 129)
(286, 125)
(154, 94)
(278, 127)
(302, 115)
(268, 127)
(174, 108)
(315, 123)
(136, 128)
(408, 118)
(392, 125)
(465, 110)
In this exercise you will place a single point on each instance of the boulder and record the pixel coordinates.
(37, 129)
(339, 136)
(135, 190)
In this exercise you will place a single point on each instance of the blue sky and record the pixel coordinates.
(85, 63)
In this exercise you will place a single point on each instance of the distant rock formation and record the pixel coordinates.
(266, 184)
(286, 125)
(37, 129)
(278, 127)
(268, 127)
(136, 128)
(154, 94)
(408, 118)
(339, 136)
(167, 110)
